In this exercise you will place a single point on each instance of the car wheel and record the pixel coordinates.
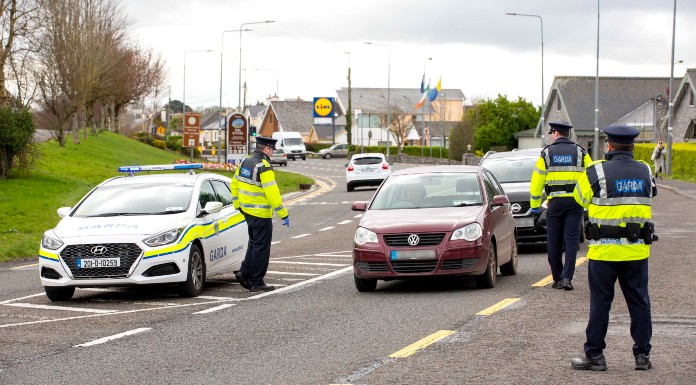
(59, 293)
(350, 188)
(327, 156)
(487, 279)
(194, 279)
(293, 158)
(365, 285)
(304, 157)
(510, 268)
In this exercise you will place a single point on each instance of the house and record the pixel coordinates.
(640, 102)
(328, 133)
(212, 123)
(255, 114)
(287, 115)
(683, 110)
(369, 107)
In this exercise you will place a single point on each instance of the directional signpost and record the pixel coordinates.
(192, 130)
(237, 138)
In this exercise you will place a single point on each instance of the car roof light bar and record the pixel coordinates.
(159, 167)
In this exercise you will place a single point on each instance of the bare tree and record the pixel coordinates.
(17, 22)
(400, 122)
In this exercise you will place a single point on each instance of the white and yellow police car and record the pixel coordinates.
(145, 229)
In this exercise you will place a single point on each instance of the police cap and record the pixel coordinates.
(264, 141)
(621, 134)
(559, 127)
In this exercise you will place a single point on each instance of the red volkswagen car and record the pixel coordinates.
(435, 221)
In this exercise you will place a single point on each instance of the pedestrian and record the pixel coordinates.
(558, 168)
(658, 158)
(618, 193)
(256, 194)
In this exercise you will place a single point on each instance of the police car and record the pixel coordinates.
(178, 228)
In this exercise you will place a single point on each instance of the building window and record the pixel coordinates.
(270, 118)
(558, 104)
(691, 97)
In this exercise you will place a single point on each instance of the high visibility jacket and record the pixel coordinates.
(557, 170)
(254, 189)
(616, 192)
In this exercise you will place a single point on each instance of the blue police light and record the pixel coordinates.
(160, 167)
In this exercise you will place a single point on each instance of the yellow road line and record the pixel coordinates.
(498, 306)
(580, 261)
(21, 267)
(414, 347)
(549, 279)
(324, 186)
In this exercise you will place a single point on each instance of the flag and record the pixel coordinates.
(432, 94)
(423, 83)
(425, 95)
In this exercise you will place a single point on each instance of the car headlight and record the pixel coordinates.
(470, 232)
(51, 241)
(164, 238)
(363, 236)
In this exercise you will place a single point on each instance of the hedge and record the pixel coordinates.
(683, 156)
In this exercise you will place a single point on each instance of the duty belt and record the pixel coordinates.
(632, 232)
(568, 188)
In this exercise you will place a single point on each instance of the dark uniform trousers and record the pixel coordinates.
(258, 253)
(633, 279)
(563, 219)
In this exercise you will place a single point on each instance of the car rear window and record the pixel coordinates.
(367, 160)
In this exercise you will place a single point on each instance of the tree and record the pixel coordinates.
(495, 121)
(16, 131)
(461, 136)
(17, 23)
(399, 122)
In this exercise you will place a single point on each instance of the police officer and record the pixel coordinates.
(618, 193)
(256, 194)
(557, 170)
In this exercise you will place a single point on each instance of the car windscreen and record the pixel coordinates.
(293, 141)
(367, 160)
(428, 191)
(136, 199)
(510, 170)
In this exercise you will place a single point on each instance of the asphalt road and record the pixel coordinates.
(317, 329)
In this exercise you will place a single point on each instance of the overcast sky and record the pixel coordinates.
(474, 46)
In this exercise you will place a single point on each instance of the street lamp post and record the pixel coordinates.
(388, 94)
(241, 29)
(541, 21)
(671, 98)
(183, 107)
(221, 119)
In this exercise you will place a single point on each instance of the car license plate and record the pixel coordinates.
(368, 170)
(402, 255)
(98, 262)
(524, 222)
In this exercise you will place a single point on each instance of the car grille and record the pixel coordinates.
(524, 207)
(128, 252)
(373, 267)
(399, 240)
(409, 267)
(456, 264)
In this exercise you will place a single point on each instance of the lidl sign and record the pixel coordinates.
(323, 107)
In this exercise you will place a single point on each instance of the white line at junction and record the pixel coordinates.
(111, 338)
(310, 263)
(327, 228)
(301, 235)
(344, 222)
(216, 308)
(67, 308)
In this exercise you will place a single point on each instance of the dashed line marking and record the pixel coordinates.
(358, 216)
(498, 306)
(301, 236)
(310, 263)
(327, 228)
(345, 222)
(289, 273)
(111, 338)
(275, 243)
(420, 344)
(214, 309)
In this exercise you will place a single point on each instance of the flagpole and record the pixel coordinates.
(442, 134)
(430, 125)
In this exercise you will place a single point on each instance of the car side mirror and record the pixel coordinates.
(64, 211)
(346, 165)
(211, 208)
(500, 200)
(359, 206)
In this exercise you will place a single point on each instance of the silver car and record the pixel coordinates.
(336, 150)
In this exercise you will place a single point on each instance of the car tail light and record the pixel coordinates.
(350, 167)
(385, 166)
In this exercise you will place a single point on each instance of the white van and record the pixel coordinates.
(292, 143)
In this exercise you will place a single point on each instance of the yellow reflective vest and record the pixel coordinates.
(617, 192)
(557, 170)
(254, 188)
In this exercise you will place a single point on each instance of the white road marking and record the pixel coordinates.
(67, 308)
(303, 283)
(216, 308)
(334, 255)
(310, 263)
(111, 338)
(218, 298)
(327, 228)
(301, 235)
(275, 243)
(345, 222)
(21, 298)
(288, 273)
(358, 216)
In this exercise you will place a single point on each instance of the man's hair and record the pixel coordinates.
(260, 147)
(622, 146)
(564, 134)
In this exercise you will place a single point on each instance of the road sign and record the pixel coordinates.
(237, 139)
(192, 129)
(160, 130)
